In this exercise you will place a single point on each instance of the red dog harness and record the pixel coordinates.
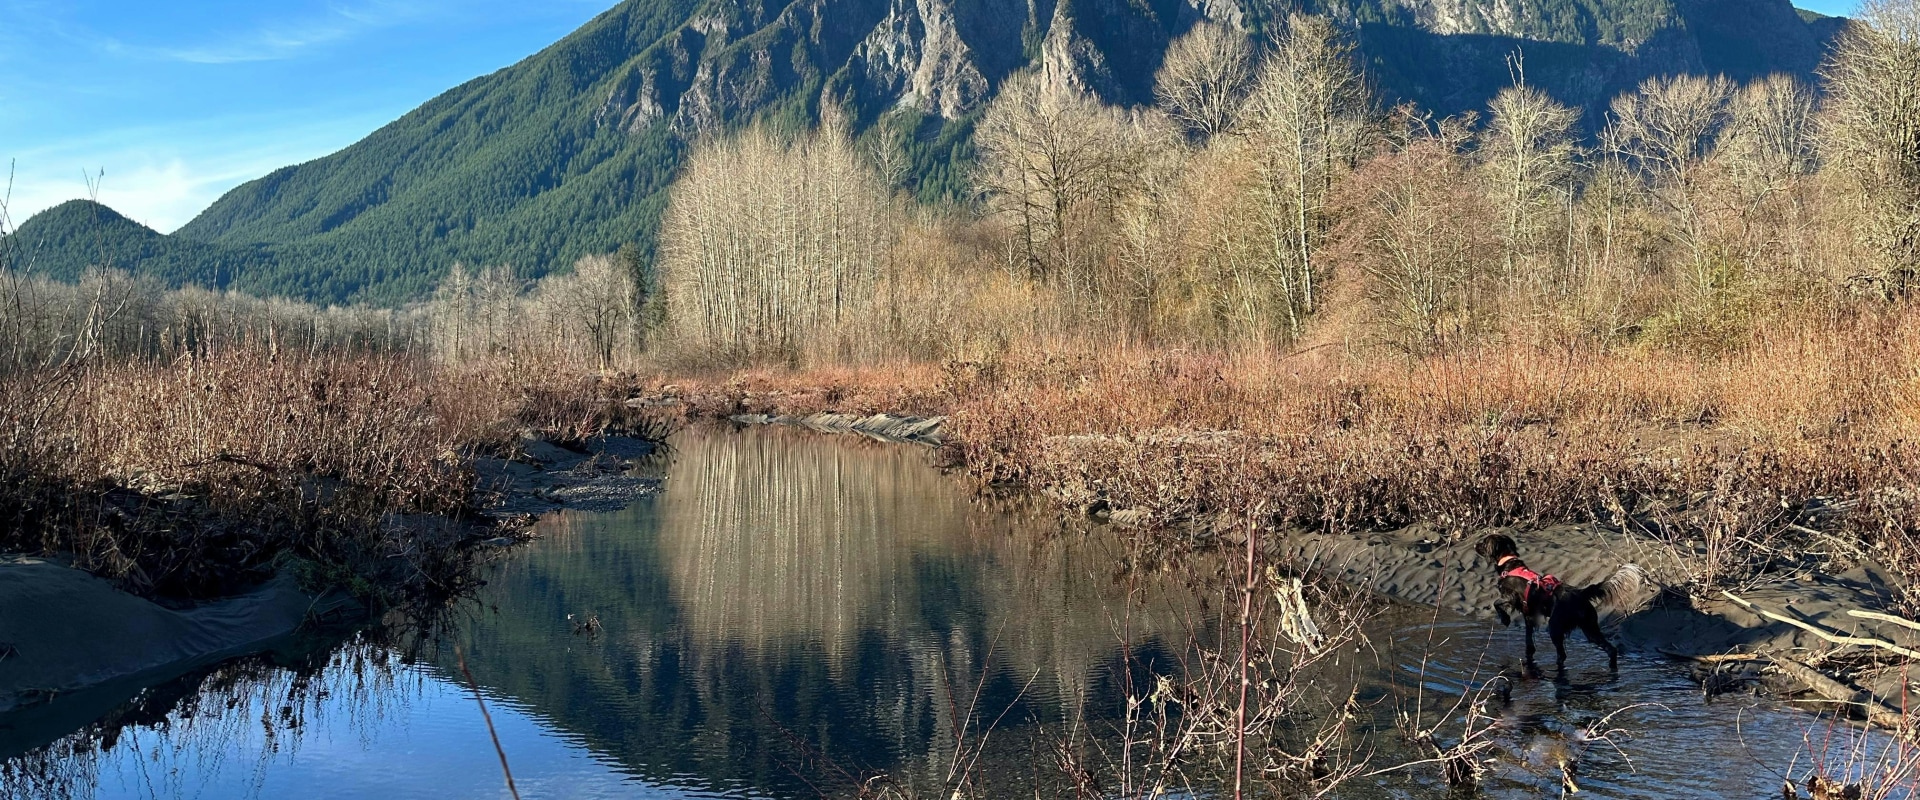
(1536, 583)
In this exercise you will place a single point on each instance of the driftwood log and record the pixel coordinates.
(1903, 621)
(1876, 712)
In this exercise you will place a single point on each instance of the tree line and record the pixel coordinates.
(590, 318)
(1267, 199)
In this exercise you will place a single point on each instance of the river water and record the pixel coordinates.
(799, 615)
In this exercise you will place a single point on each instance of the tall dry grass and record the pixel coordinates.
(194, 476)
(1804, 440)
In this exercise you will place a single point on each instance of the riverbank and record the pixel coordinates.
(777, 561)
(106, 641)
(156, 516)
(192, 478)
(1786, 475)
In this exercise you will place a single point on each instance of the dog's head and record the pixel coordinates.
(1495, 546)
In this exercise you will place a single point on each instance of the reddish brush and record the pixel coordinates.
(190, 476)
(1806, 432)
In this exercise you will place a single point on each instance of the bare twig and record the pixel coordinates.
(1821, 632)
(497, 749)
(1902, 621)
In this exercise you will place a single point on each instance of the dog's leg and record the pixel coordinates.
(1591, 627)
(1528, 618)
(1557, 630)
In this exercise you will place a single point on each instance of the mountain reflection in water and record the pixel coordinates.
(797, 613)
(794, 613)
(786, 607)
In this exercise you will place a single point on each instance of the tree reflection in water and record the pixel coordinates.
(795, 612)
(227, 726)
(793, 607)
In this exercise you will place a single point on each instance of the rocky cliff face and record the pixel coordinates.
(941, 56)
(946, 57)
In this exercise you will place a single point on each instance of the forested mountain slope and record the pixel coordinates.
(63, 241)
(570, 151)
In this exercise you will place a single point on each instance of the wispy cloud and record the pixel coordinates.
(265, 45)
(163, 176)
(115, 85)
(284, 38)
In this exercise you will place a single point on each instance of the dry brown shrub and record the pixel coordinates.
(195, 476)
(1748, 456)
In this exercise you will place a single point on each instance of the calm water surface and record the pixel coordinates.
(797, 613)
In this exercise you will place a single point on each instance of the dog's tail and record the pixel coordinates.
(1626, 591)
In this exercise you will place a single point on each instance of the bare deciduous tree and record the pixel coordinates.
(1667, 129)
(1419, 233)
(1045, 151)
(1760, 163)
(1204, 78)
(1871, 132)
(1305, 122)
(1529, 160)
(596, 300)
(768, 244)
(1769, 138)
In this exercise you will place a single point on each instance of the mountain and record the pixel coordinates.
(570, 151)
(63, 241)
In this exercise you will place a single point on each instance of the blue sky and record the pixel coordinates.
(1831, 8)
(178, 101)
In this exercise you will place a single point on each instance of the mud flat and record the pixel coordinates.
(543, 476)
(64, 630)
(1737, 638)
(1420, 567)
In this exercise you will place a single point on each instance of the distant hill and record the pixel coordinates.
(570, 151)
(63, 241)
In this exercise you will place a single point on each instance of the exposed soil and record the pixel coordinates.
(885, 427)
(1417, 566)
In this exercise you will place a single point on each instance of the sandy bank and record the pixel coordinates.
(1419, 567)
(1730, 644)
(64, 631)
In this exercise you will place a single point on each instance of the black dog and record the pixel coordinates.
(1536, 596)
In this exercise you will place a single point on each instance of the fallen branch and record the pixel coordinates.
(1877, 712)
(1830, 636)
(1902, 621)
(1720, 658)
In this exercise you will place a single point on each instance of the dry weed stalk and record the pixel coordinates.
(1728, 455)
(1227, 713)
(1845, 762)
(195, 476)
(1803, 444)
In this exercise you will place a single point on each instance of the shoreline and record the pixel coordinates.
(109, 640)
(881, 427)
(1730, 641)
